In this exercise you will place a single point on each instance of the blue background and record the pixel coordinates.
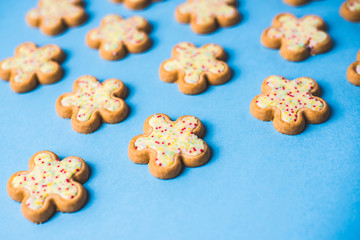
(259, 184)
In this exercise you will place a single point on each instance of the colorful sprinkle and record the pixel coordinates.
(29, 59)
(114, 31)
(206, 10)
(49, 176)
(195, 61)
(93, 95)
(298, 33)
(169, 139)
(290, 96)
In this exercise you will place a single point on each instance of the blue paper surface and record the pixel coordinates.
(259, 184)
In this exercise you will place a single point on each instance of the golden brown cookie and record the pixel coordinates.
(117, 36)
(53, 17)
(32, 65)
(92, 102)
(194, 68)
(296, 2)
(167, 145)
(205, 16)
(49, 185)
(136, 4)
(350, 10)
(353, 72)
(289, 104)
(296, 38)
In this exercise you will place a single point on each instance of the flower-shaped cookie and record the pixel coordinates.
(117, 36)
(350, 10)
(54, 16)
(205, 16)
(50, 185)
(92, 102)
(353, 72)
(165, 144)
(296, 2)
(288, 103)
(136, 4)
(193, 68)
(297, 38)
(32, 65)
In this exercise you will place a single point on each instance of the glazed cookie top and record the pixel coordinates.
(52, 11)
(353, 5)
(49, 176)
(205, 10)
(93, 95)
(298, 33)
(114, 30)
(169, 139)
(290, 96)
(29, 59)
(195, 61)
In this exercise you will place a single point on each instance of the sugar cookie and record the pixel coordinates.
(289, 104)
(136, 4)
(92, 102)
(194, 68)
(167, 145)
(32, 65)
(296, 2)
(350, 10)
(353, 72)
(53, 17)
(117, 36)
(49, 185)
(205, 16)
(297, 38)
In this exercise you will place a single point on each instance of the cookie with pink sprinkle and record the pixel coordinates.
(296, 38)
(205, 16)
(350, 10)
(289, 104)
(53, 17)
(92, 103)
(193, 69)
(49, 185)
(353, 72)
(32, 65)
(117, 36)
(166, 145)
